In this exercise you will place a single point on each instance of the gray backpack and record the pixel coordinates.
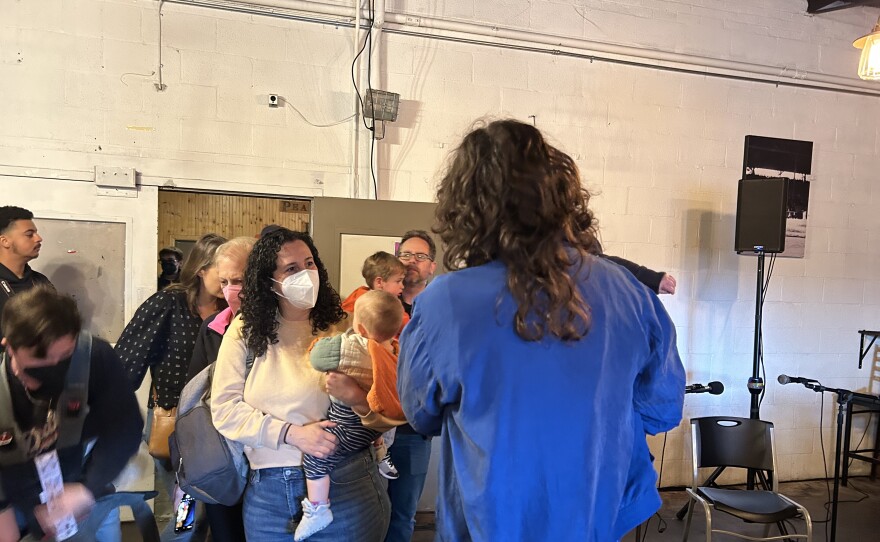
(210, 467)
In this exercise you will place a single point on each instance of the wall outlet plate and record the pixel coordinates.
(115, 177)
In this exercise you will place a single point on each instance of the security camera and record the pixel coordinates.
(274, 100)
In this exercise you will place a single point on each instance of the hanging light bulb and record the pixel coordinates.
(869, 64)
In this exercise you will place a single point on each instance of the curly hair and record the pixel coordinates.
(508, 195)
(260, 302)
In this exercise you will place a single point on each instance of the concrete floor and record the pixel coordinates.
(858, 515)
(856, 521)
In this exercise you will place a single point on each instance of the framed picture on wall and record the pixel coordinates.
(796, 218)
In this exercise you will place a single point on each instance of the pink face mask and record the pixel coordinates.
(231, 293)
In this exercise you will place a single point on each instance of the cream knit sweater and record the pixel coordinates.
(282, 388)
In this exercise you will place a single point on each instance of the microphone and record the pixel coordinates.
(712, 388)
(785, 379)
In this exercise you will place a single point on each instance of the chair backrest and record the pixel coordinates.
(727, 441)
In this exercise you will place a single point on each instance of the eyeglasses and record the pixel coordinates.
(417, 256)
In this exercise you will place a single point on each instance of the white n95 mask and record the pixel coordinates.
(301, 289)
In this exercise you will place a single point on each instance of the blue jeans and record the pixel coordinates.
(358, 497)
(110, 529)
(410, 454)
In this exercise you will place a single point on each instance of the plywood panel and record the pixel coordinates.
(189, 215)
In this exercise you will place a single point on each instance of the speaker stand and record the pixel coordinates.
(756, 381)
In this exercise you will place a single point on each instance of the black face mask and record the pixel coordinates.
(169, 268)
(51, 378)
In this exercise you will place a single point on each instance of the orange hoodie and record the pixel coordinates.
(382, 396)
(348, 305)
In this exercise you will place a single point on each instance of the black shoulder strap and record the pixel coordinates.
(248, 363)
(73, 405)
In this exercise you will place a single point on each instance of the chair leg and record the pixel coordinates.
(708, 514)
(690, 514)
(783, 530)
(876, 449)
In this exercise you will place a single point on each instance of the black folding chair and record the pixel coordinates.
(721, 441)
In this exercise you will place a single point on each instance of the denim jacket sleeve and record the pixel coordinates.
(419, 387)
(659, 387)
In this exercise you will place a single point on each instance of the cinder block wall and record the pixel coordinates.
(660, 150)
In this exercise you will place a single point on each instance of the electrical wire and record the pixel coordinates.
(824, 461)
(826, 505)
(372, 102)
(354, 62)
(303, 117)
(661, 524)
(764, 288)
(368, 42)
(124, 75)
(160, 86)
(852, 486)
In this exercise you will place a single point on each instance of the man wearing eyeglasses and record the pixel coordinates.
(411, 452)
(417, 252)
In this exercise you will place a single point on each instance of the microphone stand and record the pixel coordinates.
(844, 399)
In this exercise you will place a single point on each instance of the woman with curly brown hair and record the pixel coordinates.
(540, 365)
(276, 409)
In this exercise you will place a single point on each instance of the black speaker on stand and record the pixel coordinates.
(761, 213)
(761, 210)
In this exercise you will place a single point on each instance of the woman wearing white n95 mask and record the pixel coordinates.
(287, 302)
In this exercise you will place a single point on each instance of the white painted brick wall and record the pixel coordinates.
(661, 150)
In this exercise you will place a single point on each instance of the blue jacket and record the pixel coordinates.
(541, 440)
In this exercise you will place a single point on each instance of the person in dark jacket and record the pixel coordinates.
(161, 336)
(226, 522)
(19, 244)
(170, 259)
(658, 282)
(41, 331)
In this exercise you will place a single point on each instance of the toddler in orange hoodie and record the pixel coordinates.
(382, 271)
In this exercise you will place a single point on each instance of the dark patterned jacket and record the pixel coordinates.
(160, 336)
(11, 284)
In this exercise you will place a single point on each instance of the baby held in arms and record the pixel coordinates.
(368, 353)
